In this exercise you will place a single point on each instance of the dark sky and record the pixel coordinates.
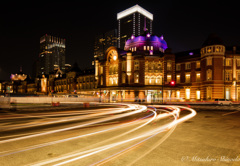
(184, 24)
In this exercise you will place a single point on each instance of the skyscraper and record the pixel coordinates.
(133, 21)
(52, 54)
(103, 42)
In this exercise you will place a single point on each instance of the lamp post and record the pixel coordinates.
(162, 89)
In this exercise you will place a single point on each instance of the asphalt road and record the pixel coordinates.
(120, 135)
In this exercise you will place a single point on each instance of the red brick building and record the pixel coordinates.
(146, 67)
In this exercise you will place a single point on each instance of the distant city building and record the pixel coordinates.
(52, 55)
(67, 67)
(104, 41)
(133, 21)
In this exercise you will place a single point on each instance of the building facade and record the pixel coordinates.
(133, 21)
(142, 71)
(51, 56)
(146, 70)
(209, 73)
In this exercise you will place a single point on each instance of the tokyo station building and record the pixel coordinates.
(147, 70)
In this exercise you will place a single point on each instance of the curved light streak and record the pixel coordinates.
(135, 140)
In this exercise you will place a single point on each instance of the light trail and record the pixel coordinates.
(82, 116)
(84, 154)
(6, 153)
(133, 134)
(131, 107)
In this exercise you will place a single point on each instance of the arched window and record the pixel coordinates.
(159, 80)
(152, 80)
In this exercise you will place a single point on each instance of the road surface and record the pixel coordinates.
(124, 134)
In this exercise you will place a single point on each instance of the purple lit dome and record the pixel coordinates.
(146, 42)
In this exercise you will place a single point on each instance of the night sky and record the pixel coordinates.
(184, 24)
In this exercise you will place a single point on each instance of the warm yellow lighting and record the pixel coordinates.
(198, 94)
(187, 94)
(114, 57)
(178, 94)
(129, 63)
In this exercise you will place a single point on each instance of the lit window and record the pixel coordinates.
(147, 47)
(198, 77)
(159, 80)
(151, 47)
(209, 61)
(136, 78)
(198, 94)
(228, 62)
(198, 64)
(209, 74)
(136, 65)
(227, 91)
(101, 69)
(169, 78)
(144, 47)
(152, 80)
(178, 79)
(228, 76)
(209, 93)
(169, 66)
(187, 94)
(178, 94)
(187, 77)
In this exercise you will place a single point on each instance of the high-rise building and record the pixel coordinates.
(52, 55)
(133, 21)
(103, 42)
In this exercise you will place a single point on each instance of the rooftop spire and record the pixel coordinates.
(145, 28)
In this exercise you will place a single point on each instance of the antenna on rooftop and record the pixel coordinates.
(145, 29)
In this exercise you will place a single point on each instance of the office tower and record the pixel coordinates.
(103, 42)
(52, 55)
(133, 21)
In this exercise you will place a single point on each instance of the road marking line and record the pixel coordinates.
(230, 113)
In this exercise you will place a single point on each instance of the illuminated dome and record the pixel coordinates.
(147, 42)
(18, 77)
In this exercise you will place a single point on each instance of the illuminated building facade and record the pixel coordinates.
(146, 70)
(142, 71)
(52, 55)
(212, 72)
(133, 21)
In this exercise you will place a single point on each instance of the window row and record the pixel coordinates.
(187, 66)
(153, 66)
